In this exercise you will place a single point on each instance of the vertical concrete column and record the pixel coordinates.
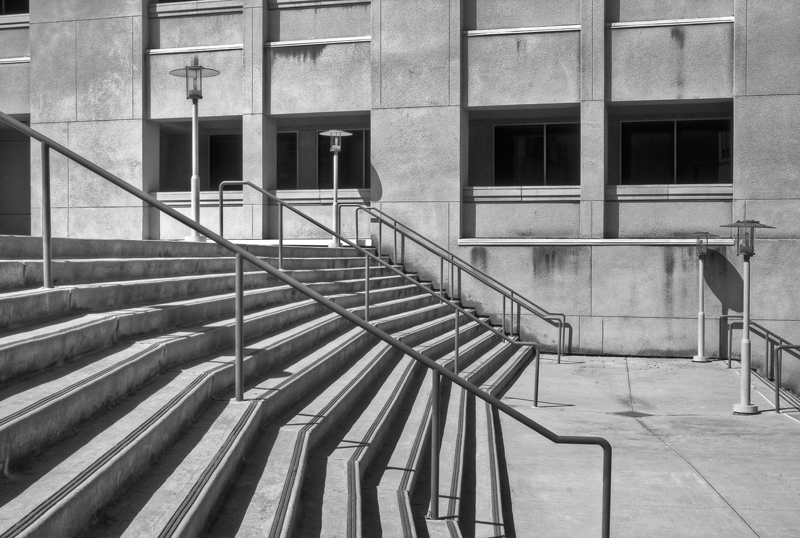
(593, 119)
(739, 92)
(258, 129)
(419, 126)
(88, 79)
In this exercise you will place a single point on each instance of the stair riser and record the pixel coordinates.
(30, 248)
(39, 428)
(28, 273)
(26, 309)
(73, 514)
(37, 354)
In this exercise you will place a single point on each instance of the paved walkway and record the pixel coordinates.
(688, 467)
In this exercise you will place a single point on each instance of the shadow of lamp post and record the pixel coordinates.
(194, 90)
(745, 246)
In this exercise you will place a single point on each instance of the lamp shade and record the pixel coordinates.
(702, 242)
(194, 75)
(336, 138)
(746, 235)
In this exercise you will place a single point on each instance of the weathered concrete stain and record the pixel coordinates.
(303, 54)
(477, 257)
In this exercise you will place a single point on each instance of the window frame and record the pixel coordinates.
(544, 150)
(674, 149)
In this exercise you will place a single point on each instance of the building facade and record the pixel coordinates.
(567, 147)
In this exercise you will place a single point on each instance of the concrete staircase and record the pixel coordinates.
(117, 415)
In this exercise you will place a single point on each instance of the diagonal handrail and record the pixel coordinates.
(243, 254)
(506, 291)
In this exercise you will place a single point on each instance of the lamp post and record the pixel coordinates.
(336, 147)
(745, 246)
(702, 250)
(194, 90)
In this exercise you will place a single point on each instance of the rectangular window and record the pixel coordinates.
(531, 155)
(676, 152)
(287, 161)
(14, 7)
(225, 160)
(354, 161)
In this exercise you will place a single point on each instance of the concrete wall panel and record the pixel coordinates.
(15, 95)
(773, 46)
(652, 10)
(519, 69)
(316, 23)
(15, 42)
(650, 219)
(415, 53)
(414, 154)
(53, 72)
(104, 76)
(320, 78)
(116, 222)
(766, 150)
(222, 95)
(59, 167)
(488, 14)
(174, 32)
(674, 62)
(117, 147)
(640, 336)
(644, 282)
(540, 220)
(70, 10)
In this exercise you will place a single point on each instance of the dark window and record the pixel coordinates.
(670, 152)
(14, 7)
(225, 160)
(287, 161)
(537, 155)
(354, 162)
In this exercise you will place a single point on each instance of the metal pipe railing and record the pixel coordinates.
(245, 255)
(778, 357)
(557, 319)
(770, 338)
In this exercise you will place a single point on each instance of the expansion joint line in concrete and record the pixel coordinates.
(696, 470)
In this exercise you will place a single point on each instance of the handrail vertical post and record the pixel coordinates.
(366, 287)
(459, 283)
(434, 511)
(47, 257)
(606, 529)
(457, 330)
(504, 314)
(778, 361)
(536, 361)
(239, 332)
(730, 342)
(394, 248)
(380, 237)
(452, 286)
(402, 249)
(221, 203)
(768, 358)
(561, 337)
(441, 276)
(280, 237)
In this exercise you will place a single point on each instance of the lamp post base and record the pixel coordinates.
(195, 238)
(701, 358)
(745, 409)
(334, 243)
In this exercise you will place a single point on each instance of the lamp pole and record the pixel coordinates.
(336, 147)
(194, 74)
(745, 246)
(702, 251)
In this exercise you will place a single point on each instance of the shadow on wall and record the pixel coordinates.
(376, 187)
(726, 283)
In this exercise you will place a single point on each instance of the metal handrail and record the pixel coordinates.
(767, 335)
(462, 265)
(243, 254)
(778, 358)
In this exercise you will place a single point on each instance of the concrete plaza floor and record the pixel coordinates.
(686, 467)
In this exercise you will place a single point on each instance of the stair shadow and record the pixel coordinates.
(505, 487)
(469, 483)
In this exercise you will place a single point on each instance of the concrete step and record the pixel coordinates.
(26, 351)
(18, 274)
(160, 502)
(87, 469)
(35, 412)
(26, 247)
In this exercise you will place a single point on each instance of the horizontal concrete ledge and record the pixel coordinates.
(20, 60)
(294, 197)
(570, 193)
(669, 22)
(528, 30)
(313, 42)
(198, 7)
(706, 192)
(522, 242)
(189, 50)
(290, 4)
(22, 20)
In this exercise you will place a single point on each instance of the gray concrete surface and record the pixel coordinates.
(689, 467)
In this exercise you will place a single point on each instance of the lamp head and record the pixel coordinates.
(746, 235)
(194, 74)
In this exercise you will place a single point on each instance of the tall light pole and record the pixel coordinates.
(702, 250)
(194, 90)
(745, 246)
(336, 147)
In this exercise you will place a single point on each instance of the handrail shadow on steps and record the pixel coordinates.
(242, 254)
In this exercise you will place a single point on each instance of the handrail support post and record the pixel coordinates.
(366, 287)
(47, 256)
(434, 509)
(239, 331)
